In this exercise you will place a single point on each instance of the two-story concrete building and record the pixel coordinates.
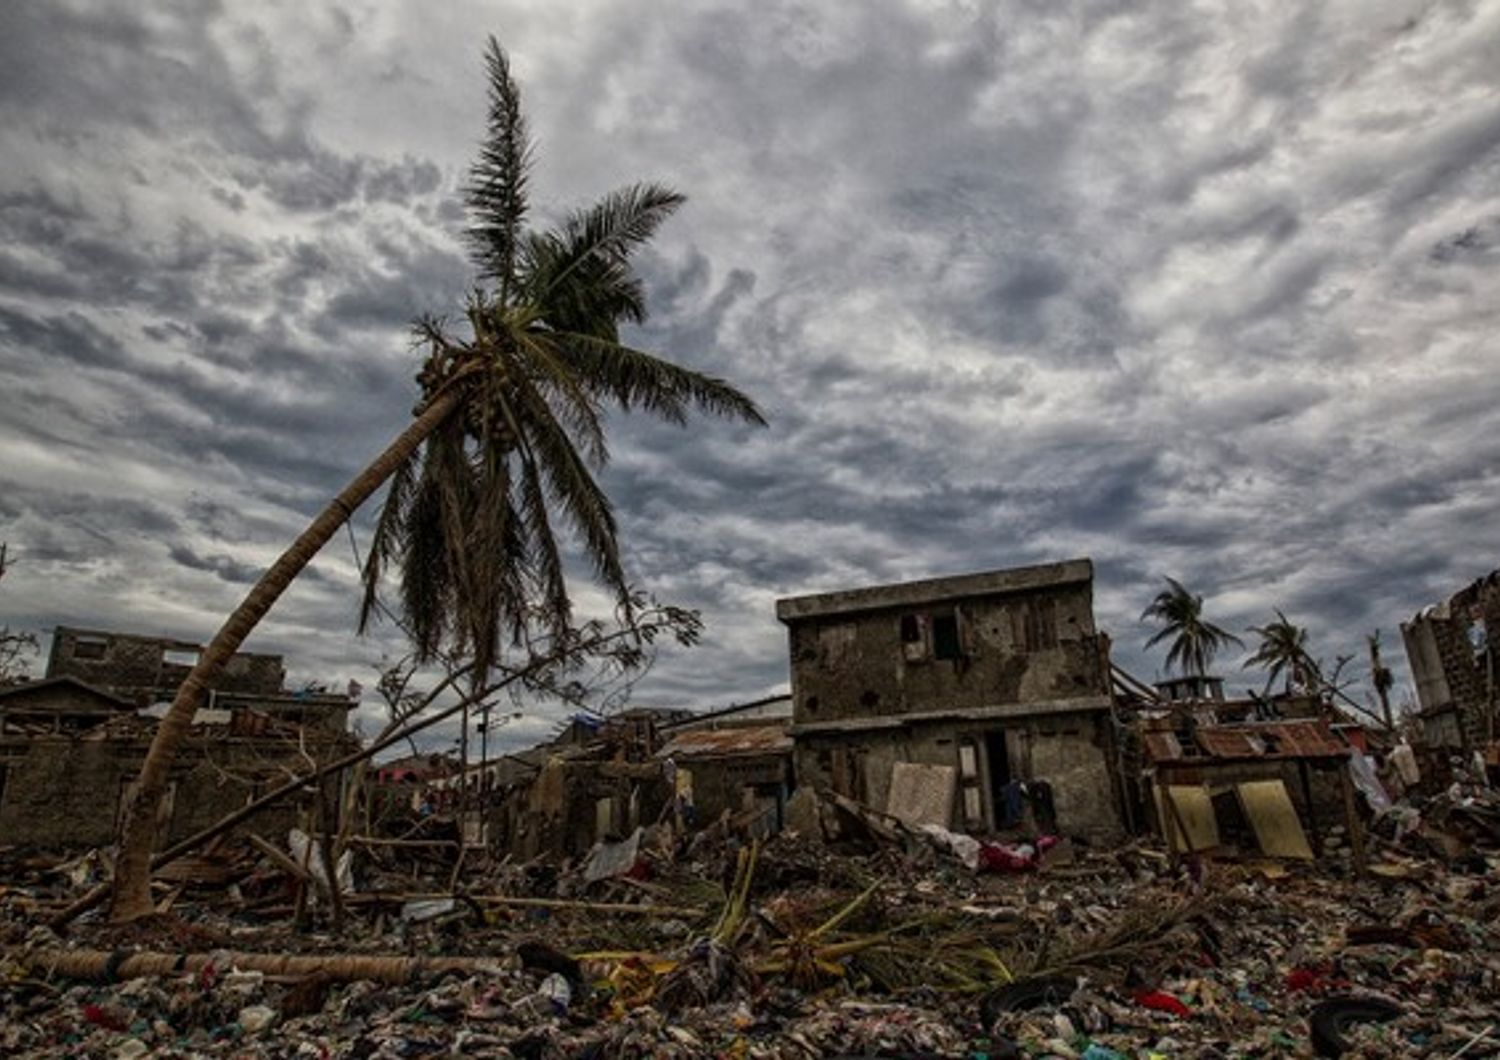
(999, 680)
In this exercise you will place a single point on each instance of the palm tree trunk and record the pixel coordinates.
(132, 883)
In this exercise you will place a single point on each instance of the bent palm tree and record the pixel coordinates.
(1195, 640)
(1283, 650)
(508, 431)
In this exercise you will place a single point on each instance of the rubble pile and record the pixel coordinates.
(718, 947)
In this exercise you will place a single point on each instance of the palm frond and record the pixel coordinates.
(605, 235)
(572, 487)
(635, 379)
(386, 541)
(546, 558)
(496, 191)
(572, 400)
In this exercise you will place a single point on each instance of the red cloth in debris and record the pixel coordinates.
(101, 1017)
(1300, 979)
(1006, 857)
(1316, 980)
(1162, 1001)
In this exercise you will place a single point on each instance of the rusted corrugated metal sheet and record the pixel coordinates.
(1162, 746)
(1307, 738)
(740, 740)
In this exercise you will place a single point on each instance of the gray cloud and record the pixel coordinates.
(1192, 294)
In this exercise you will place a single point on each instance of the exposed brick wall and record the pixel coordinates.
(146, 669)
(1470, 675)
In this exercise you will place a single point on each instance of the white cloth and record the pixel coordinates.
(1405, 760)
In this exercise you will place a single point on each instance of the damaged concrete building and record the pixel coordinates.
(72, 743)
(1453, 663)
(958, 694)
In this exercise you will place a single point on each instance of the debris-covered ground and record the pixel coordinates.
(786, 949)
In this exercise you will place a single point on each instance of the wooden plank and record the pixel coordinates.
(1269, 809)
(1187, 815)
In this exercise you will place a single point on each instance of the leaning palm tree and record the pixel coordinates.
(1195, 640)
(1283, 652)
(505, 442)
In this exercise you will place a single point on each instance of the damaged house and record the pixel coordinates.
(640, 767)
(1453, 663)
(969, 702)
(72, 743)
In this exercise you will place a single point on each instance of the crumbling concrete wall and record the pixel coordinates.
(1071, 752)
(1027, 647)
(944, 671)
(57, 792)
(1454, 653)
(61, 704)
(145, 669)
(720, 785)
(571, 804)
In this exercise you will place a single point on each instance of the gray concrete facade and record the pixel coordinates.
(1001, 675)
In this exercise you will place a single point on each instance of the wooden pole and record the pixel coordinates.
(1304, 774)
(1187, 840)
(572, 905)
(282, 860)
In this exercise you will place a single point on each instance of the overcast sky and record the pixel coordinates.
(1194, 289)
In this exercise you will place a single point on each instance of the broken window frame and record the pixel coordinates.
(913, 631)
(922, 642)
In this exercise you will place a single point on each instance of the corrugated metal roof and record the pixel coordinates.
(1303, 738)
(739, 740)
(1162, 746)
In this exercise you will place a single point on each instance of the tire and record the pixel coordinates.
(1330, 1019)
(1050, 991)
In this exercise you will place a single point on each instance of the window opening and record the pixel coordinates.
(945, 639)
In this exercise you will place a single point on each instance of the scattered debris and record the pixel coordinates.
(894, 946)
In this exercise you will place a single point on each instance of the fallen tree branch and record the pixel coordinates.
(627, 908)
(103, 965)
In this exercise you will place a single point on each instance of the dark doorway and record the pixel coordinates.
(999, 765)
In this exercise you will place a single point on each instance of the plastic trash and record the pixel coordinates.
(256, 1018)
(422, 909)
(557, 990)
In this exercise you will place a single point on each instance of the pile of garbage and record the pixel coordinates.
(662, 946)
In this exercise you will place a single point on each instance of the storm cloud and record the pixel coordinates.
(1201, 290)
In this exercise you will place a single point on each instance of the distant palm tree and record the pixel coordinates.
(508, 434)
(1283, 652)
(1381, 677)
(1195, 640)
